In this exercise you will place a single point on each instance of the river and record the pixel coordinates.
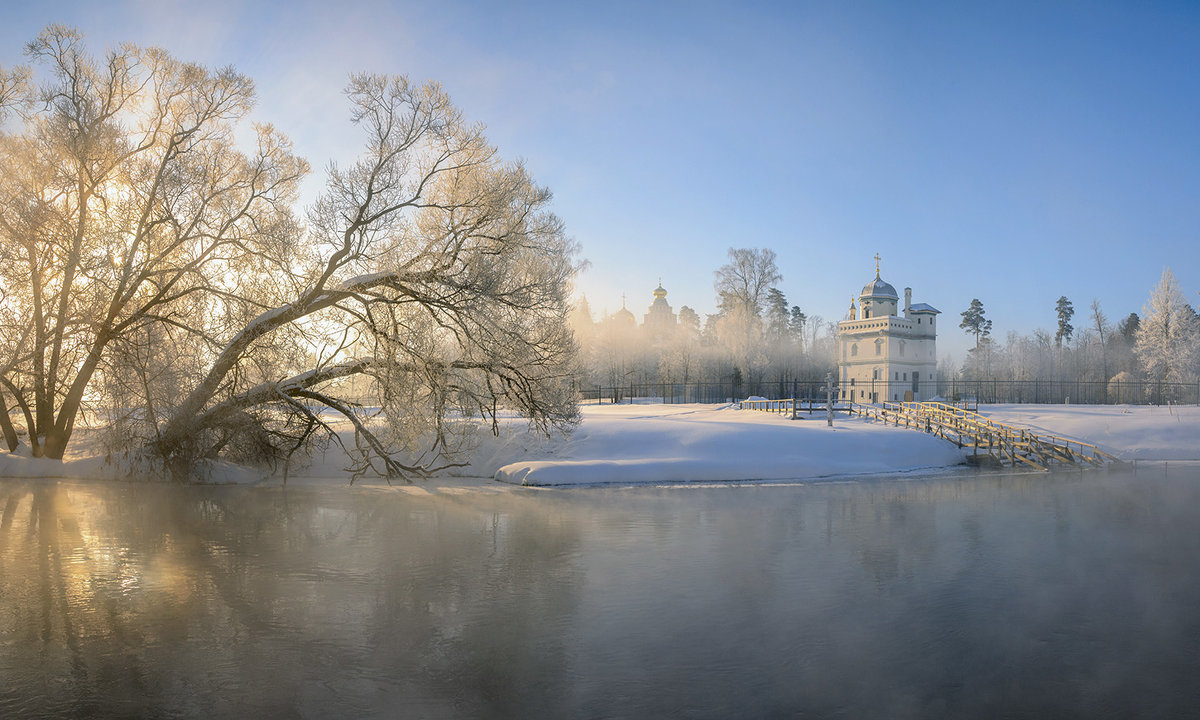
(964, 595)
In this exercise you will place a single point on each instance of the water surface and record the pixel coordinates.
(953, 596)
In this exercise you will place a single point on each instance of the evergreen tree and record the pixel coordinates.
(777, 314)
(975, 323)
(690, 321)
(1128, 328)
(796, 324)
(1065, 311)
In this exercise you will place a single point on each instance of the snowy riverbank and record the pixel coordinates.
(627, 444)
(634, 444)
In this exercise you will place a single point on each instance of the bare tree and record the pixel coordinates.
(743, 285)
(744, 281)
(430, 267)
(1100, 322)
(123, 198)
(14, 85)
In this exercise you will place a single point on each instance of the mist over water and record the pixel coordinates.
(954, 596)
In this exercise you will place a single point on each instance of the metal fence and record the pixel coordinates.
(704, 392)
(1115, 392)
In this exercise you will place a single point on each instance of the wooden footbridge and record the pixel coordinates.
(991, 442)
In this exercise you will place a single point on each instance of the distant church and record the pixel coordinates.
(659, 322)
(885, 357)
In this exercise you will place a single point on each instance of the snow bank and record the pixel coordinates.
(1131, 432)
(625, 444)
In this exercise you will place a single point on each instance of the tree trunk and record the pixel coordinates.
(10, 432)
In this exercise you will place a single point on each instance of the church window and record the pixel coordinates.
(854, 350)
(901, 348)
(905, 376)
(852, 382)
(878, 347)
(897, 375)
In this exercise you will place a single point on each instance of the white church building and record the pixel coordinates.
(885, 356)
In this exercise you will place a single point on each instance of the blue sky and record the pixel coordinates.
(1007, 151)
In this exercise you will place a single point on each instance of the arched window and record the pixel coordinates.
(878, 347)
(854, 350)
(901, 348)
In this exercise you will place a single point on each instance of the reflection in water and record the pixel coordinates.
(944, 597)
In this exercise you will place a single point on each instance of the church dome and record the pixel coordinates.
(659, 292)
(880, 289)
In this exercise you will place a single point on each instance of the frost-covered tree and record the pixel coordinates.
(1168, 336)
(135, 230)
(1100, 323)
(743, 283)
(13, 88)
(742, 286)
(689, 322)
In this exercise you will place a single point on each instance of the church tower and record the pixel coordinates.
(884, 356)
(659, 322)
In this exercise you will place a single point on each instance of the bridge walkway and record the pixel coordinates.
(989, 440)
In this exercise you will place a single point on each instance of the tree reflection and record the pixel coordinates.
(967, 596)
(224, 599)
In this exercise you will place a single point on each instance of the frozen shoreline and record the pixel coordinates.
(681, 444)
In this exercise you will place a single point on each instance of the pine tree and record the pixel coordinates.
(1128, 328)
(975, 323)
(796, 323)
(777, 314)
(1065, 311)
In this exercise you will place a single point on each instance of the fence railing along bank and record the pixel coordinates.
(986, 391)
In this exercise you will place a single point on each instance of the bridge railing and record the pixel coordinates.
(966, 428)
(787, 406)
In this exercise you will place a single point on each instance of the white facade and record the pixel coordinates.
(885, 356)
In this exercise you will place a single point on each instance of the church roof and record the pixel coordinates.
(624, 315)
(880, 289)
(923, 308)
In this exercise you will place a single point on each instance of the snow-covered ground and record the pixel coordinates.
(699, 443)
(656, 443)
(705, 443)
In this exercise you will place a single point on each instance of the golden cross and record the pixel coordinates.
(876, 263)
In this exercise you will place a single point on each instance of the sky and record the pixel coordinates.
(1007, 151)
